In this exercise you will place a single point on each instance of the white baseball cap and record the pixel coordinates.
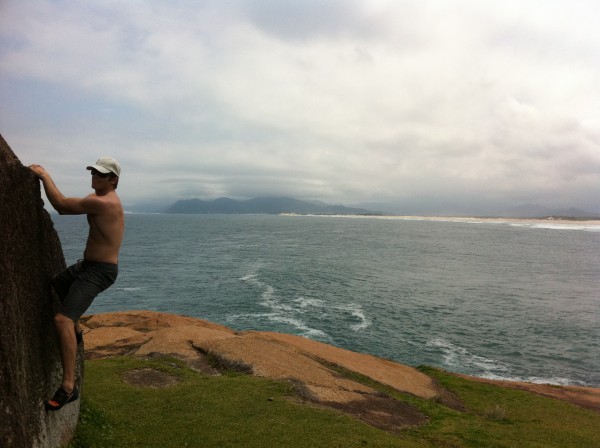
(106, 165)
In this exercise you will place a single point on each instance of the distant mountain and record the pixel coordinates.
(157, 206)
(270, 206)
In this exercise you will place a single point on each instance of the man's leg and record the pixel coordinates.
(61, 284)
(65, 328)
(90, 279)
(78, 333)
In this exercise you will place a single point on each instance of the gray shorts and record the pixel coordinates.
(79, 284)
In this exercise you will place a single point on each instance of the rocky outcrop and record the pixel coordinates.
(310, 365)
(313, 367)
(30, 368)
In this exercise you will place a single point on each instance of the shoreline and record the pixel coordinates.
(562, 221)
(576, 222)
(142, 333)
(583, 396)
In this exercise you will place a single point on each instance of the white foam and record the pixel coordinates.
(516, 222)
(303, 302)
(281, 312)
(555, 380)
(458, 357)
(269, 300)
(134, 288)
(364, 322)
(268, 295)
(297, 323)
(590, 228)
(353, 309)
(245, 316)
(249, 278)
(288, 313)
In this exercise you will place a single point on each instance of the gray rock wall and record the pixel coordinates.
(30, 369)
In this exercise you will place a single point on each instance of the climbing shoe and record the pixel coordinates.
(60, 398)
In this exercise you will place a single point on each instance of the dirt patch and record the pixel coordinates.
(382, 412)
(204, 365)
(221, 363)
(117, 349)
(147, 377)
(448, 398)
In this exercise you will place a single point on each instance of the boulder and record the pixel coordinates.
(30, 367)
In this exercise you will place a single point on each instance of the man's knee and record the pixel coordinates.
(60, 320)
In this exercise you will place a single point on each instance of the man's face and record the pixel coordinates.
(101, 180)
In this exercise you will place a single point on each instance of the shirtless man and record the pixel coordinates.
(79, 284)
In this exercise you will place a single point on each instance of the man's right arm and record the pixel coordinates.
(62, 204)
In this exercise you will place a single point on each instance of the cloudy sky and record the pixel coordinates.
(405, 101)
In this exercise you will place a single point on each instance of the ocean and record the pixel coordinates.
(510, 300)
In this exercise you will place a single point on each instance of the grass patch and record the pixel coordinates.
(236, 410)
(503, 417)
(496, 413)
(231, 410)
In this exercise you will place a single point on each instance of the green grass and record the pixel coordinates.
(236, 410)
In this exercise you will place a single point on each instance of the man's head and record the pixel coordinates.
(107, 166)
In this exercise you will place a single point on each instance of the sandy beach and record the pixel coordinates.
(538, 222)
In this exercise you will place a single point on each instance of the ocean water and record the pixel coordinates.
(500, 300)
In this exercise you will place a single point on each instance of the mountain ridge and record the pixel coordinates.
(264, 205)
(282, 205)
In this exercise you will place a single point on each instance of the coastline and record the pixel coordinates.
(471, 219)
(278, 355)
(574, 222)
(586, 397)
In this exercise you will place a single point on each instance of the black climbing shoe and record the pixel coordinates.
(60, 398)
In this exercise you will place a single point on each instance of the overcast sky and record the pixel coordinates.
(343, 101)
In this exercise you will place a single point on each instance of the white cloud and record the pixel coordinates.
(336, 100)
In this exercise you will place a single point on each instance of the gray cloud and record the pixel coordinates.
(341, 101)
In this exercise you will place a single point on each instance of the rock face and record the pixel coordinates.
(30, 368)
